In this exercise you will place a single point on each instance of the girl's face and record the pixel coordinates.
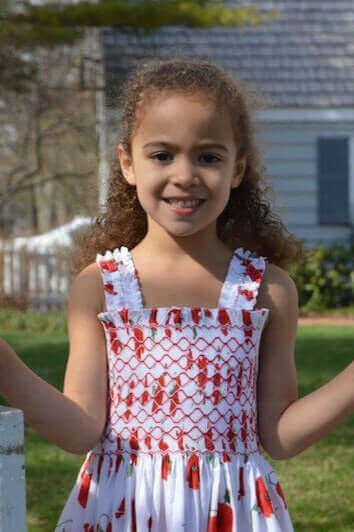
(183, 146)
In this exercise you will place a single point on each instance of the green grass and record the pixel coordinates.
(318, 483)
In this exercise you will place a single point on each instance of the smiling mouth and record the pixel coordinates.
(171, 202)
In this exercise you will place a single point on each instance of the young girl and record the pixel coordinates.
(182, 324)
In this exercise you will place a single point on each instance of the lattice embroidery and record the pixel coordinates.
(182, 379)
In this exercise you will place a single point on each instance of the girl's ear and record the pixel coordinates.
(126, 165)
(240, 167)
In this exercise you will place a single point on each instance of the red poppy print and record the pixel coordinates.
(159, 393)
(177, 318)
(138, 342)
(196, 315)
(145, 396)
(165, 466)
(121, 509)
(84, 489)
(134, 440)
(127, 414)
(208, 439)
(192, 472)
(190, 360)
(116, 345)
(223, 520)
(216, 395)
(225, 456)
(147, 441)
(163, 445)
(124, 314)
(109, 288)
(109, 265)
(202, 378)
(246, 318)
(129, 399)
(99, 465)
(241, 482)
(153, 317)
(89, 528)
(280, 493)
(263, 499)
(133, 527)
(253, 273)
(180, 435)
(174, 397)
(248, 294)
(239, 382)
(224, 319)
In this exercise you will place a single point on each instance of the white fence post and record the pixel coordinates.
(12, 471)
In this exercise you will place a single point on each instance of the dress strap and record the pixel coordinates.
(243, 280)
(119, 279)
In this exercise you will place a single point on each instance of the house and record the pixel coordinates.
(304, 63)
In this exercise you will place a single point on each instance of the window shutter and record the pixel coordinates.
(333, 180)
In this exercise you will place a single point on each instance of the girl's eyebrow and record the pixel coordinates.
(170, 145)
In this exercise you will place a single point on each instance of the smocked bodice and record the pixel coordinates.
(182, 378)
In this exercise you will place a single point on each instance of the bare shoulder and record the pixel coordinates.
(88, 286)
(278, 290)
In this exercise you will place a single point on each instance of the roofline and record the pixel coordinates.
(306, 114)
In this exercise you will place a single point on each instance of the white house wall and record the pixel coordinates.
(288, 149)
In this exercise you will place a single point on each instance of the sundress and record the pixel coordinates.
(180, 449)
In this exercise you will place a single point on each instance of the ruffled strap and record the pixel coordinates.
(119, 278)
(243, 280)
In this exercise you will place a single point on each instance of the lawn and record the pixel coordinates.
(318, 483)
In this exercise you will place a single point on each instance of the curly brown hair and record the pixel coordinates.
(247, 220)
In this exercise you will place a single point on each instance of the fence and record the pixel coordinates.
(40, 280)
(12, 468)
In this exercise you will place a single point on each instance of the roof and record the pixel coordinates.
(304, 58)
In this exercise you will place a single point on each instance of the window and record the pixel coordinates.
(333, 180)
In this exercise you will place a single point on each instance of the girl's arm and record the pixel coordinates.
(287, 424)
(74, 419)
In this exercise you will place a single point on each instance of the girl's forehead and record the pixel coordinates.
(178, 114)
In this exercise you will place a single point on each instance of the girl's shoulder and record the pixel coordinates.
(89, 280)
(277, 288)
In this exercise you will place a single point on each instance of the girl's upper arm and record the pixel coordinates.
(277, 381)
(86, 373)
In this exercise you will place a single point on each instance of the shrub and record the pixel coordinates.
(325, 279)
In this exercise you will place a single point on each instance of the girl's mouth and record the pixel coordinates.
(182, 210)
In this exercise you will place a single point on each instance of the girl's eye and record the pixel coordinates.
(216, 159)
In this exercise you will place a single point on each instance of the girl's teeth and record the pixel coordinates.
(190, 203)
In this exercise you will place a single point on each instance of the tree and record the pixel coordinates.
(42, 46)
(25, 26)
(48, 148)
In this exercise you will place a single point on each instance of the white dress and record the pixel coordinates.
(180, 450)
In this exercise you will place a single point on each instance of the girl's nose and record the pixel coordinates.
(185, 172)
